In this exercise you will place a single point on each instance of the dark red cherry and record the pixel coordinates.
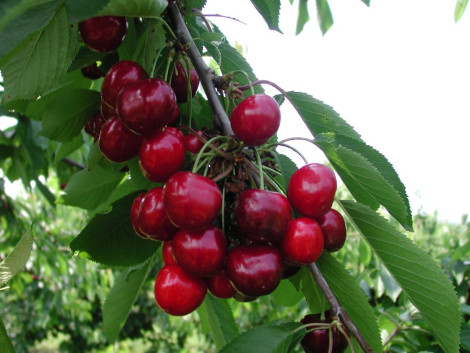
(317, 340)
(263, 215)
(256, 119)
(178, 293)
(174, 117)
(118, 75)
(192, 143)
(118, 143)
(312, 189)
(200, 252)
(152, 220)
(135, 210)
(254, 270)
(167, 253)
(179, 83)
(161, 155)
(220, 286)
(94, 125)
(302, 242)
(103, 33)
(191, 201)
(91, 71)
(334, 230)
(147, 105)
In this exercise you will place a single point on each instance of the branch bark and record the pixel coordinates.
(205, 74)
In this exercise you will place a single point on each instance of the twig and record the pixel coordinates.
(205, 74)
(73, 163)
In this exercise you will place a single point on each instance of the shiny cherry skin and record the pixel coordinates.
(318, 341)
(147, 105)
(118, 75)
(220, 286)
(263, 215)
(312, 189)
(256, 119)
(152, 220)
(118, 143)
(192, 143)
(191, 201)
(201, 252)
(161, 154)
(302, 242)
(254, 270)
(334, 230)
(103, 33)
(174, 120)
(167, 253)
(94, 125)
(135, 210)
(179, 83)
(178, 293)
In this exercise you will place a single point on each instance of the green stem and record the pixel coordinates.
(260, 169)
(293, 149)
(167, 26)
(250, 83)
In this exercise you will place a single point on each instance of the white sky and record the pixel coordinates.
(398, 72)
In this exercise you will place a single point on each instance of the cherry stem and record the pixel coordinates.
(222, 175)
(189, 93)
(205, 74)
(260, 169)
(337, 310)
(293, 149)
(208, 143)
(271, 182)
(250, 83)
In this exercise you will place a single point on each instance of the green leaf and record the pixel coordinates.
(367, 2)
(286, 294)
(269, 9)
(150, 43)
(135, 8)
(460, 9)
(41, 61)
(325, 18)
(352, 298)
(302, 17)
(79, 10)
(5, 342)
(420, 276)
(88, 189)
(313, 295)
(368, 175)
(263, 339)
(287, 167)
(110, 239)
(120, 299)
(66, 148)
(16, 260)
(218, 315)
(465, 337)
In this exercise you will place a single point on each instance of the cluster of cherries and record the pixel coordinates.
(138, 117)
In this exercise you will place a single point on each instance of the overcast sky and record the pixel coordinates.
(398, 72)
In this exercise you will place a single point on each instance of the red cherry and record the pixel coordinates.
(262, 215)
(254, 270)
(219, 286)
(174, 117)
(161, 154)
(178, 293)
(334, 230)
(192, 143)
(179, 83)
(147, 105)
(103, 33)
(191, 201)
(312, 189)
(167, 253)
(91, 71)
(94, 125)
(318, 340)
(118, 143)
(175, 132)
(256, 119)
(200, 252)
(118, 75)
(152, 219)
(303, 241)
(135, 210)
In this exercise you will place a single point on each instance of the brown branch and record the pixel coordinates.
(205, 74)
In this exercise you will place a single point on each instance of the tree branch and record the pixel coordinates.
(337, 310)
(205, 74)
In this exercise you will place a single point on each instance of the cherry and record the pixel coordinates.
(147, 105)
(167, 253)
(118, 75)
(191, 200)
(94, 125)
(200, 252)
(152, 220)
(91, 71)
(254, 270)
(179, 83)
(174, 117)
(334, 230)
(161, 154)
(192, 143)
(312, 189)
(256, 119)
(262, 215)
(103, 33)
(318, 340)
(219, 286)
(135, 210)
(118, 143)
(178, 293)
(303, 241)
